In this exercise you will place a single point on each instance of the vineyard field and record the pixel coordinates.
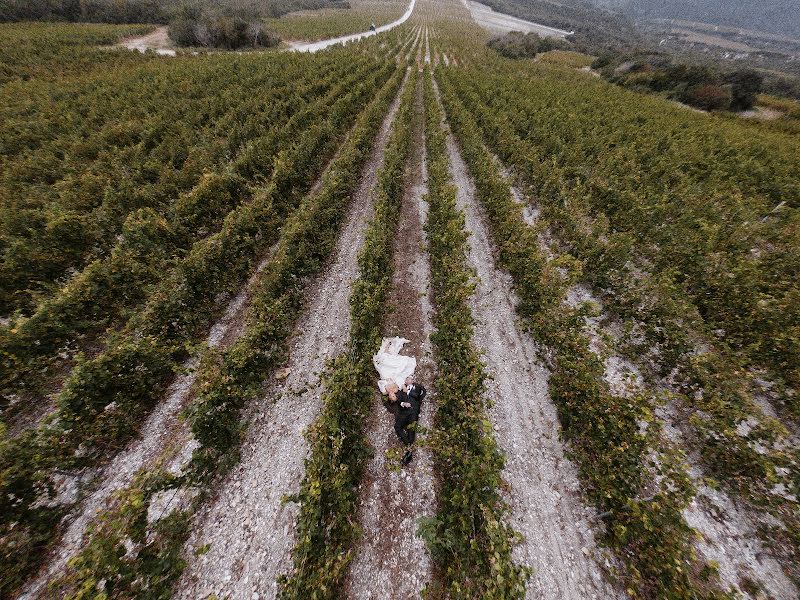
(201, 254)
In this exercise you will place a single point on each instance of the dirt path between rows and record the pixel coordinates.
(164, 437)
(392, 561)
(246, 530)
(543, 489)
(728, 532)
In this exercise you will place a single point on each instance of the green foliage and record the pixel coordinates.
(106, 396)
(227, 31)
(334, 21)
(524, 45)
(644, 272)
(328, 495)
(468, 538)
(703, 87)
(745, 84)
(79, 158)
(604, 430)
(226, 381)
(103, 568)
(691, 198)
(99, 295)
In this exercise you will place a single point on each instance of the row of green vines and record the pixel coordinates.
(151, 241)
(225, 383)
(607, 441)
(468, 538)
(105, 398)
(79, 158)
(713, 386)
(328, 495)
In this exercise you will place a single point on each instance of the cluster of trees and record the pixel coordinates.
(524, 45)
(696, 85)
(84, 11)
(149, 11)
(193, 27)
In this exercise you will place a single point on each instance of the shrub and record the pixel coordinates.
(220, 31)
(524, 45)
(708, 96)
(746, 84)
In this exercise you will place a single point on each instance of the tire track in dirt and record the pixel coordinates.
(543, 490)
(246, 530)
(392, 561)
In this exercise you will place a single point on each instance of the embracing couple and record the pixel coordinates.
(405, 404)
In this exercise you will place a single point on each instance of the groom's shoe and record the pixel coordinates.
(407, 457)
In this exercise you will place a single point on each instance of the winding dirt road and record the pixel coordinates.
(158, 41)
(322, 44)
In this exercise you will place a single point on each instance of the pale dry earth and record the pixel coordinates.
(762, 113)
(707, 39)
(715, 28)
(543, 489)
(157, 41)
(728, 534)
(391, 560)
(247, 530)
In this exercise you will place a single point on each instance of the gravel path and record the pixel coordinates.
(247, 530)
(544, 492)
(322, 44)
(162, 435)
(392, 562)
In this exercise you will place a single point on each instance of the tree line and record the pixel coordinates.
(230, 25)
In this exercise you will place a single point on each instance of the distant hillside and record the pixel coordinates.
(596, 28)
(776, 16)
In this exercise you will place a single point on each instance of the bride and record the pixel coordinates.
(393, 367)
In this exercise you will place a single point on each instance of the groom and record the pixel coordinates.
(409, 404)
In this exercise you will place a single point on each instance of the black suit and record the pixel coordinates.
(406, 416)
(416, 395)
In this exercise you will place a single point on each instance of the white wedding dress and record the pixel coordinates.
(391, 365)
